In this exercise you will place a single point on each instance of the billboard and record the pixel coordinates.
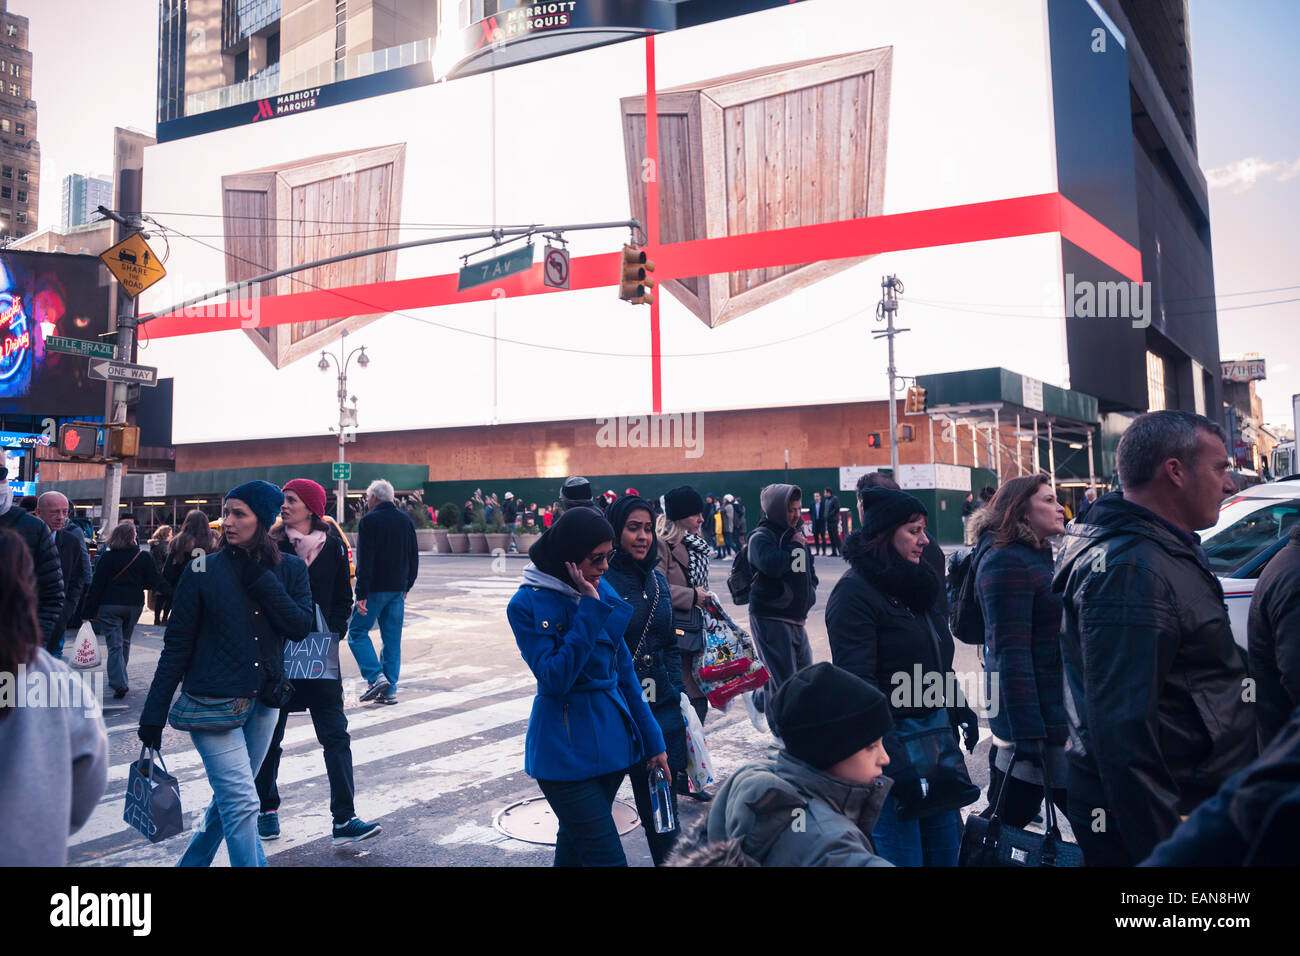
(800, 153)
(41, 295)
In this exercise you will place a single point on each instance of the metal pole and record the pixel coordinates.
(974, 445)
(1020, 461)
(1092, 475)
(931, 419)
(1037, 466)
(954, 439)
(341, 490)
(997, 444)
(1051, 455)
(126, 323)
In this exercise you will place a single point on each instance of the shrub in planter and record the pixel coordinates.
(449, 516)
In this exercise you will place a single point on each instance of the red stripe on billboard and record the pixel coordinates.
(974, 222)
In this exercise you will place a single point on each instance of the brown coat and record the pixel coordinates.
(675, 562)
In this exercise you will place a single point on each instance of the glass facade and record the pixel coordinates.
(240, 19)
(171, 59)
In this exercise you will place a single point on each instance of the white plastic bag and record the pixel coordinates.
(699, 764)
(85, 652)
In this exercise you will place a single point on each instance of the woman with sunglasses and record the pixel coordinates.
(589, 722)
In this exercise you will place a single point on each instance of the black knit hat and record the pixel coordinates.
(574, 535)
(575, 492)
(824, 714)
(885, 508)
(682, 503)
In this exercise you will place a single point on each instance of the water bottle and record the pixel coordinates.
(661, 802)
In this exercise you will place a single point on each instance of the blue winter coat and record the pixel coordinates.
(588, 717)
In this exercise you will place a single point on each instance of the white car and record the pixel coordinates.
(1253, 525)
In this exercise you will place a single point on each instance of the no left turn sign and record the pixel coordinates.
(555, 268)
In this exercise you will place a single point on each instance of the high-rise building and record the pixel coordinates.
(82, 195)
(216, 53)
(20, 153)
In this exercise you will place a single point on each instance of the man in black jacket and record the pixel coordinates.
(831, 509)
(74, 562)
(45, 557)
(1273, 640)
(1154, 681)
(387, 563)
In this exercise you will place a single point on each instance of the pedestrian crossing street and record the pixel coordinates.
(455, 741)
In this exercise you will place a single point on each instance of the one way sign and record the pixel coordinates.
(110, 371)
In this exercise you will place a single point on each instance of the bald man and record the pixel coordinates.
(74, 558)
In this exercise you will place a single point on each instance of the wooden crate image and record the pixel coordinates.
(310, 209)
(791, 145)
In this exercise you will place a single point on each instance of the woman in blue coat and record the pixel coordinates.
(589, 722)
(650, 637)
(225, 639)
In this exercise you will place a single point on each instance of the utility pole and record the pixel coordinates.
(886, 309)
(347, 416)
(126, 323)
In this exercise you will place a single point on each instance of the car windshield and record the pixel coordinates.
(1246, 528)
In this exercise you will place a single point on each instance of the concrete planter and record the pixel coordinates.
(526, 541)
(478, 543)
(498, 542)
(440, 541)
(425, 539)
(457, 543)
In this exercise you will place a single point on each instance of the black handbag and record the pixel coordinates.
(990, 842)
(689, 629)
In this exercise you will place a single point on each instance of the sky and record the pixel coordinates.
(95, 68)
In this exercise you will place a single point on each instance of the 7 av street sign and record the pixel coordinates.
(490, 270)
(108, 371)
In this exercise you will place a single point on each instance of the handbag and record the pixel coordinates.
(689, 629)
(153, 798)
(926, 747)
(990, 842)
(315, 657)
(197, 714)
(728, 665)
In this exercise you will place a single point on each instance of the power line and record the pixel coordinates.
(348, 222)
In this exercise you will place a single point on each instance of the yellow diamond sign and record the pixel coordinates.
(133, 264)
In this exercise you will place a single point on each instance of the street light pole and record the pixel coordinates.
(347, 416)
(885, 310)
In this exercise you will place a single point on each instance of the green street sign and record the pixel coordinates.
(57, 343)
(490, 270)
(341, 471)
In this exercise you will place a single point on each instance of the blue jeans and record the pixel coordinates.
(931, 841)
(588, 835)
(388, 607)
(231, 759)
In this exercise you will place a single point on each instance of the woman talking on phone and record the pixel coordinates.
(589, 722)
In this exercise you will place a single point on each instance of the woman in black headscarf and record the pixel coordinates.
(634, 575)
(589, 722)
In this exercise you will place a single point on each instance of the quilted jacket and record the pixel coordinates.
(217, 644)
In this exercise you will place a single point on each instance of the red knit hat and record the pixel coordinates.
(312, 494)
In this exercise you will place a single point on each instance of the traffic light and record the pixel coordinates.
(635, 284)
(123, 441)
(78, 441)
(915, 400)
(873, 440)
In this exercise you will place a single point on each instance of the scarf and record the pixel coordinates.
(916, 585)
(698, 549)
(307, 546)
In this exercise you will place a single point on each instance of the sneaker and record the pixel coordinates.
(354, 830)
(388, 698)
(268, 826)
(755, 717)
(377, 687)
(119, 693)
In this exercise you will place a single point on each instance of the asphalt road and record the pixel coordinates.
(434, 769)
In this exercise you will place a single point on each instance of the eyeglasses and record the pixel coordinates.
(599, 559)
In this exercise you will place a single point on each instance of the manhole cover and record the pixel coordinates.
(532, 821)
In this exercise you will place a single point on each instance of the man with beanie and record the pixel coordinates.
(816, 802)
(388, 560)
(784, 588)
(576, 493)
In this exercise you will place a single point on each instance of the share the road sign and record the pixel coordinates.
(109, 371)
(133, 264)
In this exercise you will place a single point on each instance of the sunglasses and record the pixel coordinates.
(599, 559)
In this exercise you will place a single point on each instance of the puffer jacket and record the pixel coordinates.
(785, 581)
(1273, 639)
(785, 812)
(216, 643)
(637, 586)
(1153, 676)
(588, 717)
(49, 570)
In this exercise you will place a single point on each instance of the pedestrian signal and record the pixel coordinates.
(873, 440)
(635, 284)
(78, 441)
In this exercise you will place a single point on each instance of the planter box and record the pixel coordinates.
(526, 541)
(424, 539)
(457, 543)
(440, 541)
(498, 542)
(478, 543)
(286, 215)
(793, 145)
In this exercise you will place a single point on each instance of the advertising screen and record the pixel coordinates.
(800, 153)
(43, 295)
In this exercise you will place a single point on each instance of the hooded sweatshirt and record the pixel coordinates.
(785, 582)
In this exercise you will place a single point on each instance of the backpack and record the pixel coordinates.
(741, 578)
(965, 616)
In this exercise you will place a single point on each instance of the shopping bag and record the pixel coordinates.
(153, 798)
(315, 657)
(728, 665)
(85, 652)
(699, 763)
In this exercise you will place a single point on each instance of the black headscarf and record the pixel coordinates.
(618, 514)
(572, 537)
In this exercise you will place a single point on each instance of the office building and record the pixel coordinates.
(82, 196)
(20, 153)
